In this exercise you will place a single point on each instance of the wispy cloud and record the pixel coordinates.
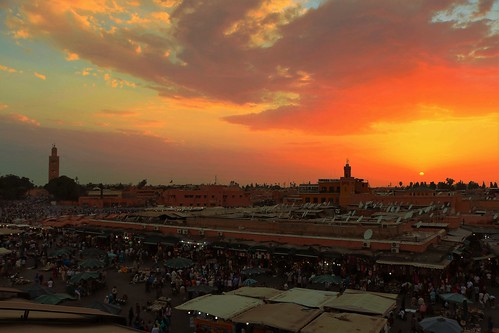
(40, 76)
(117, 82)
(7, 69)
(71, 56)
(20, 118)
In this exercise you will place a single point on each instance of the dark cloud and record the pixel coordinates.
(340, 46)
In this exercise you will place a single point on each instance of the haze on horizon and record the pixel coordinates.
(251, 91)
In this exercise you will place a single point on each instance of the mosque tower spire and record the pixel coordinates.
(347, 170)
(53, 164)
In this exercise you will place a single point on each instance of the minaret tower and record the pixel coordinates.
(347, 170)
(53, 164)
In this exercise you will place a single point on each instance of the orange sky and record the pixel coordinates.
(252, 91)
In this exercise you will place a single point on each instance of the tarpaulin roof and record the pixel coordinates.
(345, 323)
(10, 231)
(307, 297)
(489, 256)
(222, 306)
(285, 316)
(450, 238)
(457, 235)
(460, 233)
(16, 309)
(365, 303)
(357, 291)
(256, 292)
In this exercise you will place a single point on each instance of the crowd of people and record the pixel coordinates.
(223, 269)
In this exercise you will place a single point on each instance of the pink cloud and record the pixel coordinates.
(40, 76)
(18, 118)
(8, 69)
(71, 56)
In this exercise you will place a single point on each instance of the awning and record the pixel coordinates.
(331, 255)
(345, 323)
(430, 225)
(363, 303)
(256, 292)
(259, 248)
(237, 247)
(307, 297)
(157, 239)
(222, 306)
(463, 233)
(283, 251)
(310, 253)
(89, 231)
(283, 316)
(441, 265)
(219, 245)
(490, 256)
(454, 239)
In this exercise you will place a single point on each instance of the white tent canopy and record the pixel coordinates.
(345, 323)
(222, 306)
(307, 297)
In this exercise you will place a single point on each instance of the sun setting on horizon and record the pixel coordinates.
(251, 91)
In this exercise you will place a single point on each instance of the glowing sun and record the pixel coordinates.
(421, 173)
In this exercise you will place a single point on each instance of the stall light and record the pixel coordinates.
(199, 313)
(216, 318)
(247, 323)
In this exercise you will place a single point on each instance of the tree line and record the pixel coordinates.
(13, 187)
(449, 184)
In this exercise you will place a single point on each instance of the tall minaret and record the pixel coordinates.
(53, 164)
(347, 170)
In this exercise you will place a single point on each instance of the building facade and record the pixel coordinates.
(206, 196)
(334, 191)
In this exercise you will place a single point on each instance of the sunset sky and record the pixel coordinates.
(251, 91)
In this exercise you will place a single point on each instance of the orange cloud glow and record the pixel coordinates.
(398, 87)
(40, 76)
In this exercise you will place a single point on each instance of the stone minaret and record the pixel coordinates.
(53, 164)
(347, 170)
